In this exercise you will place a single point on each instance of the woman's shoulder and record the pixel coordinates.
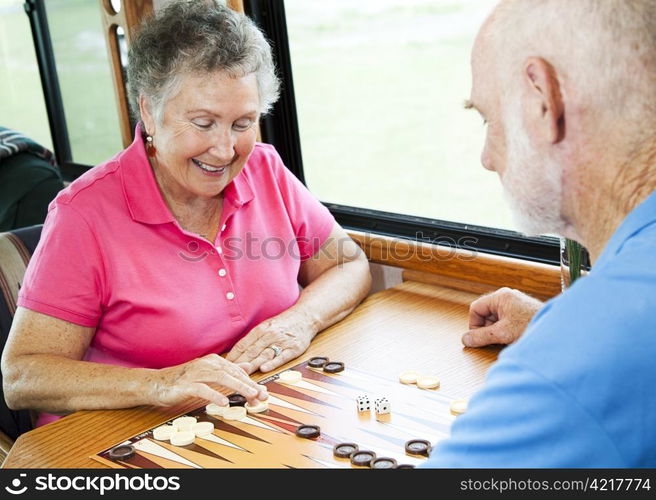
(264, 163)
(97, 183)
(264, 154)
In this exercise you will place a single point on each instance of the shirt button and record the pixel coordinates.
(230, 295)
(222, 272)
(219, 249)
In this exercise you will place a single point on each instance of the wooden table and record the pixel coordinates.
(410, 326)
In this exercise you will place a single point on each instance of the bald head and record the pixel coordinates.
(603, 50)
(568, 88)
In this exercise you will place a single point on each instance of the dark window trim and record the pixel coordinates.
(36, 12)
(71, 170)
(469, 237)
(281, 129)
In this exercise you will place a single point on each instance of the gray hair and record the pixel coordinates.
(197, 37)
(605, 49)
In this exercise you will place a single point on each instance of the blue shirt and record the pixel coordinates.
(579, 388)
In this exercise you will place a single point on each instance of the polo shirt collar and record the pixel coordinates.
(143, 196)
(639, 218)
(239, 191)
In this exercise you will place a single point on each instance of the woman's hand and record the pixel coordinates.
(499, 317)
(256, 350)
(195, 379)
(40, 346)
(334, 281)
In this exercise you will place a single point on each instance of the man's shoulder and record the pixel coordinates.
(595, 344)
(605, 313)
(634, 257)
(617, 295)
(592, 331)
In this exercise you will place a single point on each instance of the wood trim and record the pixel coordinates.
(448, 282)
(237, 5)
(130, 15)
(5, 446)
(474, 271)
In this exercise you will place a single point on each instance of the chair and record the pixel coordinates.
(16, 248)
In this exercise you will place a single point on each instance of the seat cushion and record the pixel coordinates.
(16, 248)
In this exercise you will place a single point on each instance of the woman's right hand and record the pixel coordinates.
(196, 379)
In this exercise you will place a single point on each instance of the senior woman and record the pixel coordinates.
(191, 242)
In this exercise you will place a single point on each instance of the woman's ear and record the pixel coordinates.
(146, 115)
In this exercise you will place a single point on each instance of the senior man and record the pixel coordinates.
(568, 92)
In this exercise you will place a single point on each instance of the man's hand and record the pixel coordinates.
(499, 317)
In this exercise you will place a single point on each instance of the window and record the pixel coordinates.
(379, 88)
(22, 106)
(84, 79)
(371, 119)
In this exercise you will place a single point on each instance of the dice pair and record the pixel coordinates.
(381, 405)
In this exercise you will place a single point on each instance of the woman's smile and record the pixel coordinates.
(211, 170)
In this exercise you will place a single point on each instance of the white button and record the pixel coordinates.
(223, 227)
(222, 272)
(230, 295)
(219, 249)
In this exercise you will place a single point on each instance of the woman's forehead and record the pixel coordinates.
(216, 92)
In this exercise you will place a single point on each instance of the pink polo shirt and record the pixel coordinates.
(113, 257)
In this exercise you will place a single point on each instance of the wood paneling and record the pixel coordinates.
(237, 5)
(446, 281)
(130, 15)
(539, 280)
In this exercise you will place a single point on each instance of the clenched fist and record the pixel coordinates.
(499, 317)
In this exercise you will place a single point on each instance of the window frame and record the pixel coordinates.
(36, 13)
(281, 129)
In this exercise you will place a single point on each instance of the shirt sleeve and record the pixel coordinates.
(65, 277)
(518, 421)
(311, 220)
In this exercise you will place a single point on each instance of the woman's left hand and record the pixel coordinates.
(272, 343)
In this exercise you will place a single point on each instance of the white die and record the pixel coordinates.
(382, 405)
(364, 404)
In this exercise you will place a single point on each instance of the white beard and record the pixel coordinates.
(532, 184)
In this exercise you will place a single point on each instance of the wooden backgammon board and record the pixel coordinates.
(327, 400)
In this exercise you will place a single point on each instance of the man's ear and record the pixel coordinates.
(146, 115)
(544, 105)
